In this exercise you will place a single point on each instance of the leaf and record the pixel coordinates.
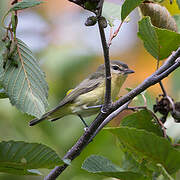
(159, 1)
(142, 120)
(178, 3)
(129, 163)
(150, 147)
(21, 158)
(2, 93)
(144, 98)
(128, 6)
(157, 41)
(25, 4)
(102, 166)
(177, 19)
(160, 16)
(25, 85)
(111, 12)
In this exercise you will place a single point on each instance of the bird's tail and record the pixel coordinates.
(53, 115)
(36, 120)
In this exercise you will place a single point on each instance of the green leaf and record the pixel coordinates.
(150, 147)
(25, 4)
(130, 163)
(142, 120)
(111, 12)
(177, 19)
(139, 99)
(128, 6)
(150, 100)
(178, 3)
(159, 1)
(21, 158)
(102, 166)
(25, 84)
(158, 42)
(3, 93)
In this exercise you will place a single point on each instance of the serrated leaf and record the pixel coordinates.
(156, 40)
(21, 158)
(150, 147)
(25, 4)
(25, 85)
(103, 166)
(128, 6)
(111, 12)
(142, 120)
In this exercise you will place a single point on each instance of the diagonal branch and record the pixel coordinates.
(172, 63)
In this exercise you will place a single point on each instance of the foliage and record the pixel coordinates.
(102, 166)
(17, 157)
(140, 152)
(25, 84)
(142, 139)
(24, 5)
(154, 40)
(111, 12)
(128, 6)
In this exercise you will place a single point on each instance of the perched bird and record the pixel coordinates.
(88, 97)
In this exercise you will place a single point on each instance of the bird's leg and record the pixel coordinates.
(84, 122)
(92, 107)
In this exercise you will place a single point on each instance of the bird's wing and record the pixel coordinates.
(85, 86)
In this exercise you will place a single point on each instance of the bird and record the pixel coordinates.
(87, 98)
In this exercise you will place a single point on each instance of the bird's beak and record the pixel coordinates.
(128, 71)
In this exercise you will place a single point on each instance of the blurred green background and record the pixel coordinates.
(68, 51)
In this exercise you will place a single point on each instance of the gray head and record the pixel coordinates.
(117, 67)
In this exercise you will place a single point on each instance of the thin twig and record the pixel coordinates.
(100, 6)
(113, 35)
(160, 83)
(107, 98)
(171, 103)
(163, 89)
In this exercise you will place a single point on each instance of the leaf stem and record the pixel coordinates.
(114, 34)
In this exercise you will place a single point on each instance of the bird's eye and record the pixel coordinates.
(115, 67)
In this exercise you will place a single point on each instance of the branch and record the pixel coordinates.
(109, 118)
(172, 63)
(107, 98)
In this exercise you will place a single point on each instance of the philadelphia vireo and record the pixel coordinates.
(88, 97)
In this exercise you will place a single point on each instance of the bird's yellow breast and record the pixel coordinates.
(116, 84)
(96, 96)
